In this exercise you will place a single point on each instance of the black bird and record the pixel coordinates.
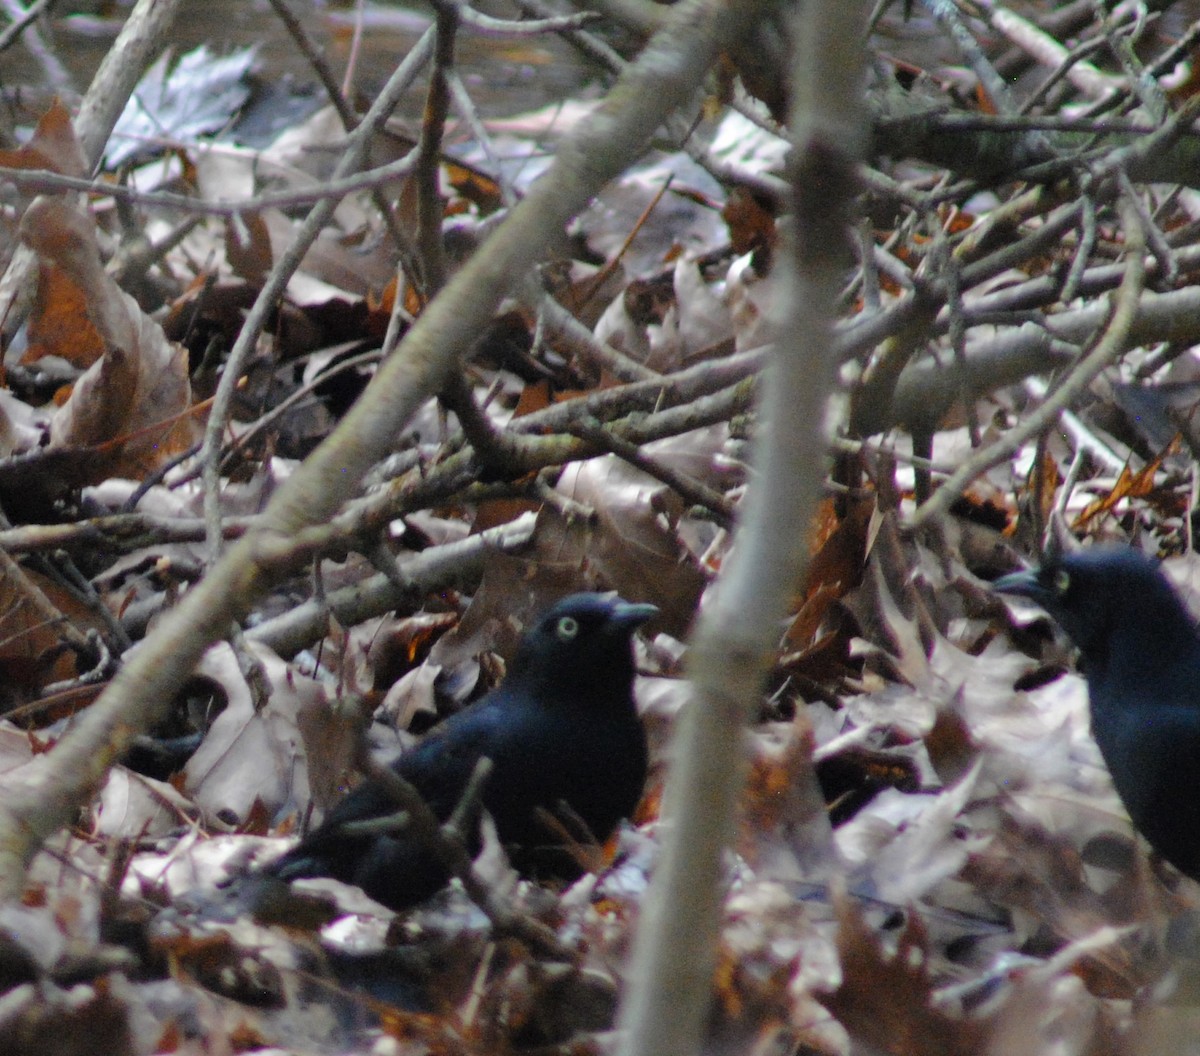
(1141, 659)
(561, 729)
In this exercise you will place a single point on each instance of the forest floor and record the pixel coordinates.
(1018, 363)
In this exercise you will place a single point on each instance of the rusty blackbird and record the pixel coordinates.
(1141, 659)
(561, 729)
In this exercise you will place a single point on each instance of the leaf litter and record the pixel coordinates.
(993, 897)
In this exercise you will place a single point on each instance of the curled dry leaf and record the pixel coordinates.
(53, 146)
(59, 323)
(65, 238)
(137, 391)
(911, 844)
(133, 398)
(633, 542)
(252, 755)
(133, 806)
(887, 1002)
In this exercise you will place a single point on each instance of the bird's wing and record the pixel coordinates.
(1153, 754)
(439, 767)
(441, 764)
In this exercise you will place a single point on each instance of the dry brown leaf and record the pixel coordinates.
(139, 397)
(784, 831)
(633, 542)
(64, 237)
(252, 756)
(886, 1002)
(751, 225)
(53, 146)
(75, 1022)
(133, 806)
(776, 953)
(59, 324)
(32, 651)
(903, 632)
(248, 247)
(1129, 485)
(511, 595)
(139, 389)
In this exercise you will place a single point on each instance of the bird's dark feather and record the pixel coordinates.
(1141, 659)
(562, 728)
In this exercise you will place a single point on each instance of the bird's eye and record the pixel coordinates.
(1062, 582)
(566, 628)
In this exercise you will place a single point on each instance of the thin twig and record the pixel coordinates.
(32, 13)
(356, 151)
(452, 854)
(691, 490)
(317, 61)
(1112, 344)
(427, 176)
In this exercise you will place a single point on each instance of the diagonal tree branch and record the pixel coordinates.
(45, 795)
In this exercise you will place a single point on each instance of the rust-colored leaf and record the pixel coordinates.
(248, 247)
(139, 398)
(65, 238)
(886, 1002)
(751, 225)
(1129, 485)
(59, 324)
(138, 391)
(53, 146)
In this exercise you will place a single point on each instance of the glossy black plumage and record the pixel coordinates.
(1141, 659)
(562, 728)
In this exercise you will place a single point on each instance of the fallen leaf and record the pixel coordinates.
(138, 390)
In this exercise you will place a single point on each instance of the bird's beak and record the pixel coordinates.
(630, 614)
(1022, 584)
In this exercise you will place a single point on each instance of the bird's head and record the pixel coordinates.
(582, 643)
(1094, 592)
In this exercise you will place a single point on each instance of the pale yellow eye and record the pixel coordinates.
(1062, 582)
(566, 628)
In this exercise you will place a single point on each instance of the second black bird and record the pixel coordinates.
(562, 729)
(1141, 659)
